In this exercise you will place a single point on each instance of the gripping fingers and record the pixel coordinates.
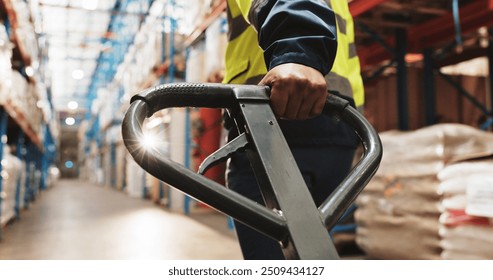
(278, 100)
(298, 92)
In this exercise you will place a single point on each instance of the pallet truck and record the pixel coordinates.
(290, 217)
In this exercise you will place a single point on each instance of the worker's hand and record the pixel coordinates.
(298, 92)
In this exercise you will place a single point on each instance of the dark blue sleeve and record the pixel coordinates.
(296, 31)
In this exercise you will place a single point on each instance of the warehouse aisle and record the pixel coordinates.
(78, 220)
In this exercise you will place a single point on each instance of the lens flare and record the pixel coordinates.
(149, 141)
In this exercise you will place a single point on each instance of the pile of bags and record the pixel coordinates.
(405, 212)
(466, 224)
(13, 180)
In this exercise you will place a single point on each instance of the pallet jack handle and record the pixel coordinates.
(288, 228)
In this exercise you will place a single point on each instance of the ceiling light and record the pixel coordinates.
(29, 71)
(69, 164)
(40, 104)
(69, 121)
(72, 105)
(90, 4)
(78, 74)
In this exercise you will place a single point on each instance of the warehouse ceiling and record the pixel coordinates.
(82, 45)
(439, 24)
(86, 40)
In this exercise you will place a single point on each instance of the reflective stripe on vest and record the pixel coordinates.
(345, 75)
(244, 58)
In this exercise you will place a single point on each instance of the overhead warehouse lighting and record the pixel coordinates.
(29, 71)
(70, 121)
(78, 74)
(73, 105)
(90, 4)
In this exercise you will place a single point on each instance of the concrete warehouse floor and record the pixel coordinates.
(78, 220)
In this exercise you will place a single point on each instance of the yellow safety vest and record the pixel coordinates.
(245, 61)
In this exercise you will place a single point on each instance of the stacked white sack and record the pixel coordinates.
(398, 212)
(466, 223)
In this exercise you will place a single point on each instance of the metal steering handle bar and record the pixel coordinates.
(147, 102)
